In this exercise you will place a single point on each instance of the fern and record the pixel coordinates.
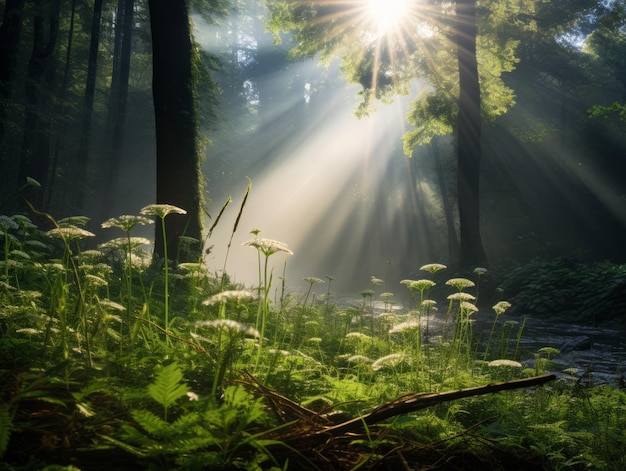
(168, 387)
(151, 423)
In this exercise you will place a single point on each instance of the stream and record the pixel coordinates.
(596, 352)
(596, 355)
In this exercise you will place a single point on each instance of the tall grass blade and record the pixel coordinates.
(232, 234)
(219, 216)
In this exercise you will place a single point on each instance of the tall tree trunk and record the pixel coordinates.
(471, 251)
(453, 244)
(49, 190)
(35, 156)
(178, 166)
(118, 96)
(10, 32)
(90, 88)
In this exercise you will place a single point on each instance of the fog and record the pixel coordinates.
(336, 192)
(334, 188)
(340, 192)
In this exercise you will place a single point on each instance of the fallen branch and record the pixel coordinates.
(314, 440)
(416, 401)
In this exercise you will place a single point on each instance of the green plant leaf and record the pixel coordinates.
(168, 386)
(150, 422)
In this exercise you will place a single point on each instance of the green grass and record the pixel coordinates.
(107, 353)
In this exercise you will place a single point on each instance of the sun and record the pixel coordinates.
(386, 14)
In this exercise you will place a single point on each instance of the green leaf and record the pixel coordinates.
(150, 422)
(168, 386)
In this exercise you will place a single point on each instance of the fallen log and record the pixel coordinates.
(416, 401)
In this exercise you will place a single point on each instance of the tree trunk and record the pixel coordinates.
(90, 89)
(178, 166)
(60, 134)
(453, 244)
(118, 96)
(471, 251)
(10, 31)
(35, 156)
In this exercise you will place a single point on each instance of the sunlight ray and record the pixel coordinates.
(330, 193)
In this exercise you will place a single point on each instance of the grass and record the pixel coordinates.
(108, 356)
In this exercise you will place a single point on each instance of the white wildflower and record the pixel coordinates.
(412, 324)
(468, 307)
(504, 363)
(94, 280)
(69, 232)
(388, 361)
(460, 283)
(433, 267)
(359, 359)
(161, 210)
(267, 246)
(230, 295)
(501, 307)
(228, 325)
(376, 281)
(126, 222)
(313, 280)
(460, 296)
(421, 285)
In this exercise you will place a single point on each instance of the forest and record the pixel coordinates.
(335, 234)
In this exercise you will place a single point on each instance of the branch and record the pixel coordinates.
(414, 401)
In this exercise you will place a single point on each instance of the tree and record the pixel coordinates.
(436, 43)
(10, 32)
(178, 168)
(35, 155)
(90, 90)
(469, 127)
(118, 96)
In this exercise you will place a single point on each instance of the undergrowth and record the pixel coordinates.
(108, 356)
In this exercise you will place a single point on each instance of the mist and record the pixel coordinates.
(340, 192)
(335, 190)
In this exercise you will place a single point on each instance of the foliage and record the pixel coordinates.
(214, 435)
(177, 398)
(386, 64)
(567, 287)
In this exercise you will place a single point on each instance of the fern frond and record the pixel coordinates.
(151, 423)
(168, 386)
(238, 398)
(185, 424)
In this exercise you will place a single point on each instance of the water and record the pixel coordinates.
(597, 352)
(596, 355)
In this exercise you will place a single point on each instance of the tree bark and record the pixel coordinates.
(453, 244)
(118, 96)
(178, 166)
(35, 156)
(90, 89)
(10, 31)
(471, 251)
(60, 134)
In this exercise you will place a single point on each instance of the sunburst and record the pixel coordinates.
(386, 14)
(380, 43)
